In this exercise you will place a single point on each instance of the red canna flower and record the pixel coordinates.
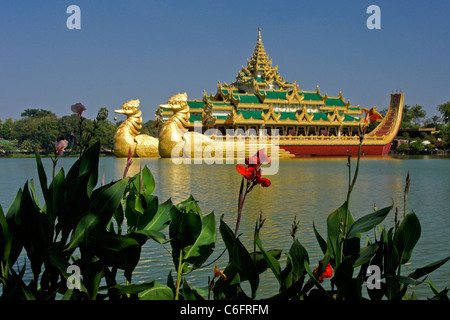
(328, 273)
(264, 182)
(253, 171)
(246, 172)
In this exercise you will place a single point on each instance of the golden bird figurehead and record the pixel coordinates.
(177, 103)
(129, 108)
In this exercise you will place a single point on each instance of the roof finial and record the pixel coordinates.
(259, 34)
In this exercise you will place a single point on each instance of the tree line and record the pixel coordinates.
(416, 116)
(39, 128)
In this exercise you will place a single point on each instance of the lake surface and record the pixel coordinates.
(307, 188)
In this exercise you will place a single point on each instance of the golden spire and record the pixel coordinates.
(259, 67)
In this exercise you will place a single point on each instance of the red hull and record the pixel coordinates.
(336, 150)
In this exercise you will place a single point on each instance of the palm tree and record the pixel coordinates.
(444, 109)
(435, 120)
(417, 113)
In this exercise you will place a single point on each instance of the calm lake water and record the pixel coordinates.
(308, 189)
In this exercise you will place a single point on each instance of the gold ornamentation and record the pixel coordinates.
(128, 134)
(174, 138)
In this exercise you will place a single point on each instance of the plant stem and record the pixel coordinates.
(350, 189)
(241, 201)
(179, 271)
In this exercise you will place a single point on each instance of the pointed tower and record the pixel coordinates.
(259, 73)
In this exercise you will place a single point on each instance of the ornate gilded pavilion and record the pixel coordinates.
(260, 98)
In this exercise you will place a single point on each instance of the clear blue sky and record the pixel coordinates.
(150, 50)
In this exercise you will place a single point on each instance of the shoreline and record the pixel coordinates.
(434, 154)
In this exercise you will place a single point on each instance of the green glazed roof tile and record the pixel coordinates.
(331, 102)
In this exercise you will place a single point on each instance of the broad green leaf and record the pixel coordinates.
(150, 210)
(162, 217)
(157, 292)
(406, 237)
(151, 290)
(297, 256)
(404, 280)
(189, 205)
(185, 227)
(5, 237)
(271, 261)
(103, 206)
(241, 265)
(420, 272)
(105, 202)
(56, 190)
(89, 165)
(84, 227)
(42, 178)
(141, 236)
(246, 265)
(320, 240)
(117, 251)
(365, 254)
(148, 183)
(203, 247)
(227, 237)
(14, 220)
(67, 295)
(344, 272)
(190, 293)
(368, 222)
(35, 231)
(340, 216)
(260, 260)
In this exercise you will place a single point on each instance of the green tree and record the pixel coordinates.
(68, 127)
(407, 117)
(444, 109)
(47, 132)
(417, 113)
(417, 145)
(36, 113)
(36, 125)
(6, 129)
(30, 146)
(105, 133)
(149, 128)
